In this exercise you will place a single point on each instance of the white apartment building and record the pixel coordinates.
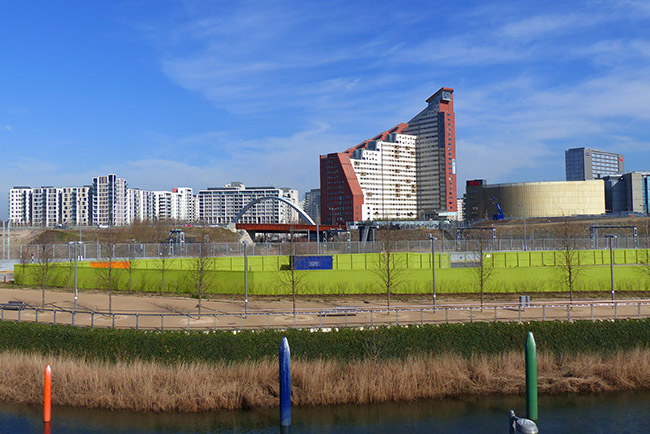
(386, 173)
(141, 205)
(20, 206)
(109, 201)
(75, 205)
(163, 205)
(183, 204)
(220, 205)
(46, 206)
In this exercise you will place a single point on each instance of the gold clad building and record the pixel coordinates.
(534, 199)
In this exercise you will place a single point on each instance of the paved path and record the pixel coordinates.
(156, 312)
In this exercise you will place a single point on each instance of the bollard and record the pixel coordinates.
(285, 383)
(47, 395)
(531, 377)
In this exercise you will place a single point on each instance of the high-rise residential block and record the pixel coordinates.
(20, 205)
(182, 204)
(109, 201)
(583, 164)
(75, 205)
(435, 131)
(407, 172)
(311, 204)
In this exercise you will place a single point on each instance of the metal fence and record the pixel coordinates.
(97, 250)
(326, 319)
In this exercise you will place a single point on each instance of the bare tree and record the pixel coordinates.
(568, 262)
(289, 277)
(201, 267)
(163, 264)
(482, 245)
(25, 256)
(45, 266)
(390, 269)
(107, 274)
(643, 266)
(130, 259)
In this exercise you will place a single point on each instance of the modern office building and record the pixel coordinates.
(534, 199)
(582, 164)
(407, 172)
(628, 193)
(109, 201)
(220, 205)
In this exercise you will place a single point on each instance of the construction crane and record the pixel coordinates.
(500, 215)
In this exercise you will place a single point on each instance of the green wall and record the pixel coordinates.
(357, 273)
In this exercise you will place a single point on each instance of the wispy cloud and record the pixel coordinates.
(6, 128)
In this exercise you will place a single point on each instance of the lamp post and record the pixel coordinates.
(433, 269)
(610, 238)
(245, 280)
(76, 257)
(523, 207)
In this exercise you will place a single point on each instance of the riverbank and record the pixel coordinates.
(196, 387)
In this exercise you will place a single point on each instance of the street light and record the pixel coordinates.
(245, 279)
(523, 207)
(76, 257)
(610, 238)
(433, 269)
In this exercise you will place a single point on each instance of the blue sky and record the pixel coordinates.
(200, 93)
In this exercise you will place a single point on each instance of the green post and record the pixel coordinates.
(531, 377)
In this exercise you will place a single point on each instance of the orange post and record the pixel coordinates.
(47, 401)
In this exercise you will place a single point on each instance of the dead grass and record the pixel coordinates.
(143, 386)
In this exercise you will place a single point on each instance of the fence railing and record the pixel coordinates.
(96, 250)
(326, 319)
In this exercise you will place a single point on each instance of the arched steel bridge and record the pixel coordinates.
(254, 202)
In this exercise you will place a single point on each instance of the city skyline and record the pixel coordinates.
(196, 95)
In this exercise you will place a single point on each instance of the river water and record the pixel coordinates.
(595, 414)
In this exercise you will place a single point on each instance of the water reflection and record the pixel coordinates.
(624, 413)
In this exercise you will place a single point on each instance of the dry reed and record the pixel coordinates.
(147, 386)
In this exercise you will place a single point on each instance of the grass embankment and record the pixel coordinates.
(196, 371)
(148, 386)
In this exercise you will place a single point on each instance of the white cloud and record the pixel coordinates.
(6, 127)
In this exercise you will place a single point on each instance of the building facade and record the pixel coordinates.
(20, 206)
(534, 199)
(220, 205)
(75, 206)
(627, 193)
(183, 204)
(582, 164)
(435, 129)
(311, 204)
(408, 172)
(109, 201)
(386, 173)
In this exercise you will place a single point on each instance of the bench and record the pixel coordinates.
(340, 311)
(13, 305)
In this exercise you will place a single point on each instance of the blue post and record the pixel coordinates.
(285, 383)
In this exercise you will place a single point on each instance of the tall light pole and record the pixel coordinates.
(610, 238)
(245, 280)
(433, 269)
(76, 257)
(523, 207)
